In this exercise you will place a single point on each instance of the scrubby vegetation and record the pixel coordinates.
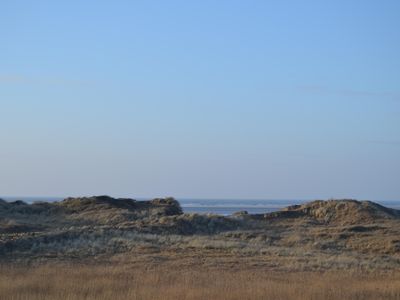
(106, 248)
(320, 235)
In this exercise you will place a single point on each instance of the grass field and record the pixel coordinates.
(126, 282)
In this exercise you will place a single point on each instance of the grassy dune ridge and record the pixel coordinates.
(320, 235)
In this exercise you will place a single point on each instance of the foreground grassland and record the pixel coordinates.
(125, 282)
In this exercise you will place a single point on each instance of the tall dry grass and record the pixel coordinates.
(126, 282)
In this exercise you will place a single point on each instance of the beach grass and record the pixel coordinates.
(127, 282)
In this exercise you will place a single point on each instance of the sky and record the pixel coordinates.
(200, 99)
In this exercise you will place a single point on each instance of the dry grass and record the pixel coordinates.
(127, 282)
(103, 248)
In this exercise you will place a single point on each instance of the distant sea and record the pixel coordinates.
(228, 207)
(219, 206)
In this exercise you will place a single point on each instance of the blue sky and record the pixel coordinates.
(202, 99)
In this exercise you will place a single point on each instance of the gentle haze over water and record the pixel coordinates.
(200, 99)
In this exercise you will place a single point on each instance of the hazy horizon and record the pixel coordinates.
(227, 99)
(141, 198)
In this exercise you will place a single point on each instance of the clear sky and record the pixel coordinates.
(202, 99)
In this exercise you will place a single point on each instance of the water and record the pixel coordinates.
(219, 206)
(228, 207)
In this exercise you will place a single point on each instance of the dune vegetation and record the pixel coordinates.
(106, 248)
